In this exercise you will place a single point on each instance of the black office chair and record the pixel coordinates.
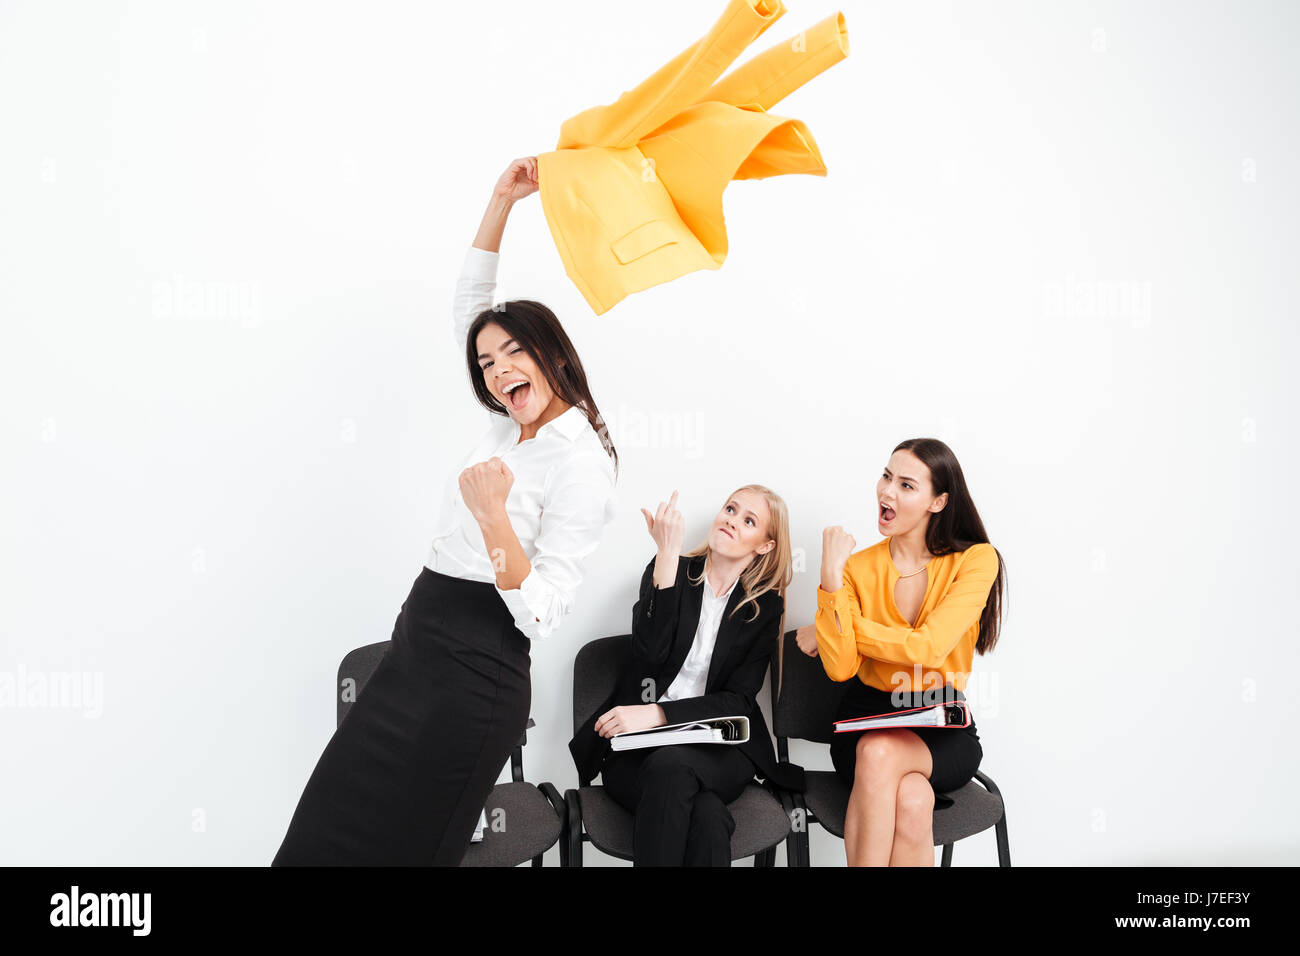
(805, 708)
(534, 815)
(762, 817)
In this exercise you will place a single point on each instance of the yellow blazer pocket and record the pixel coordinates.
(643, 240)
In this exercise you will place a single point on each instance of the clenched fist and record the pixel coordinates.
(485, 486)
(837, 545)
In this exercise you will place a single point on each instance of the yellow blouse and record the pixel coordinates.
(873, 640)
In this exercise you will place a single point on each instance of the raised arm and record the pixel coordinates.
(654, 617)
(478, 274)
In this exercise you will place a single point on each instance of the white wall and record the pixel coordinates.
(1061, 237)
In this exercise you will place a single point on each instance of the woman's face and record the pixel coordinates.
(504, 362)
(741, 528)
(904, 498)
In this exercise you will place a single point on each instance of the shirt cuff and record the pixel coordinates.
(525, 604)
(828, 599)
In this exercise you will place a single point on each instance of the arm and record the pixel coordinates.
(739, 695)
(930, 644)
(578, 503)
(474, 288)
(654, 617)
(478, 274)
(836, 645)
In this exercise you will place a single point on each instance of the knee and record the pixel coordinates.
(877, 757)
(664, 772)
(914, 812)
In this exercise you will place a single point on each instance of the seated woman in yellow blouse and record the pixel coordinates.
(905, 616)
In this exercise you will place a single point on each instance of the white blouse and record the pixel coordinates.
(693, 676)
(562, 497)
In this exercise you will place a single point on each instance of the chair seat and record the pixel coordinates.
(531, 827)
(973, 808)
(761, 822)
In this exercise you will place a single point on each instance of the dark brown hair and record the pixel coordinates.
(540, 334)
(958, 526)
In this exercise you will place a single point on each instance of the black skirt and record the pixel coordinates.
(955, 754)
(408, 771)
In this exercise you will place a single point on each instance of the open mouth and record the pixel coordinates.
(887, 513)
(517, 396)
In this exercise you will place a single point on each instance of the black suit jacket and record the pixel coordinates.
(663, 628)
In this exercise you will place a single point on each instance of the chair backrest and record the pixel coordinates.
(595, 673)
(357, 664)
(805, 700)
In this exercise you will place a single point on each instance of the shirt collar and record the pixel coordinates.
(569, 423)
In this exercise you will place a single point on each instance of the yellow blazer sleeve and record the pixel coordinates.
(930, 644)
(836, 642)
(768, 78)
(674, 86)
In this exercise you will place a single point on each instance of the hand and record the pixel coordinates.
(837, 545)
(629, 717)
(519, 180)
(806, 638)
(665, 526)
(485, 487)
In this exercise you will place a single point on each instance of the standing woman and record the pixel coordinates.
(906, 615)
(406, 774)
(703, 630)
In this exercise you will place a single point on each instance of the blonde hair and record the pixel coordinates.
(766, 572)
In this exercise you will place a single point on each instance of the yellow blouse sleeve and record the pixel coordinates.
(930, 644)
(836, 644)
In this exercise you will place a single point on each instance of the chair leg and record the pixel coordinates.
(571, 840)
(946, 859)
(805, 836)
(792, 813)
(1004, 850)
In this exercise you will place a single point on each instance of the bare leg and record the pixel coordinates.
(884, 757)
(914, 822)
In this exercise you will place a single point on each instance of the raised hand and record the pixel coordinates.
(519, 180)
(665, 526)
(837, 545)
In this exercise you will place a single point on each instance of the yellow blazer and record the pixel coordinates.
(633, 190)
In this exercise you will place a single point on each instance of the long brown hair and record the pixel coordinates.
(766, 572)
(958, 526)
(540, 334)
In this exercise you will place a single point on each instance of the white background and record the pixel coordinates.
(1061, 237)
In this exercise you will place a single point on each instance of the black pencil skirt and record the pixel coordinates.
(404, 778)
(955, 754)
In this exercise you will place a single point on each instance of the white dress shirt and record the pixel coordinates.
(693, 676)
(562, 497)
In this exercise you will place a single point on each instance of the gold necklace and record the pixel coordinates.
(909, 573)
